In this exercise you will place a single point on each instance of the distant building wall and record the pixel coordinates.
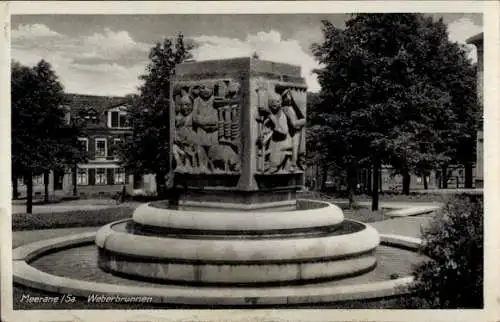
(477, 41)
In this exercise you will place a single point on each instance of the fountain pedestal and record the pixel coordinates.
(238, 150)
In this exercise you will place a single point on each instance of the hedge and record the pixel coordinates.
(453, 278)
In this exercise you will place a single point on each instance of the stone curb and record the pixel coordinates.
(29, 276)
(413, 211)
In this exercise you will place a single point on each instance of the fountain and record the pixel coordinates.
(238, 161)
(237, 229)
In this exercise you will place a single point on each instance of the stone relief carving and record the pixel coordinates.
(281, 130)
(207, 133)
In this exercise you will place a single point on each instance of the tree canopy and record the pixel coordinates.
(147, 150)
(390, 86)
(41, 138)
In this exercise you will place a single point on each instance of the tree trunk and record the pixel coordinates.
(15, 188)
(426, 185)
(369, 181)
(29, 192)
(380, 188)
(75, 185)
(444, 176)
(376, 181)
(160, 184)
(46, 186)
(324, 177)
(438, 179)
(468, 175)
(406, 182)
(351, 184)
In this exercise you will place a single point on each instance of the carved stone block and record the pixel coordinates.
(238, 117)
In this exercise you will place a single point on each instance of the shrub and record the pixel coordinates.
(453, 278)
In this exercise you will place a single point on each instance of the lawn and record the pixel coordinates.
(71, 219)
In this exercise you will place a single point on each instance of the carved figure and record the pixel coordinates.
(223, 159)
(205, 121)
(233, 89)
(274, 141)
(296, 122)
(207, 135)
(184, 148)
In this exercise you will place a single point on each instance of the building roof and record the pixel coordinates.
(475, 39)
(80, 102)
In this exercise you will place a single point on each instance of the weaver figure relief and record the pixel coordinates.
(207, 128)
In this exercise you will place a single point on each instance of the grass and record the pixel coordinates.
(71, 219)
(416, 196)
(366, 215)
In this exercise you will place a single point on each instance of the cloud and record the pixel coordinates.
(109, 62)
(268, 45)
(307, 36)
(106, 63)
(460, 30)
(34, 31)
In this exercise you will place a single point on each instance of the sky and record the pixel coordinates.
(105, 54)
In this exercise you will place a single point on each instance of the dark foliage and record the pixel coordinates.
(454, 241)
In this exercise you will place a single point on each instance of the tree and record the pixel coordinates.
(147, 149)
(380, 95)
(41, 140)
(453, 72)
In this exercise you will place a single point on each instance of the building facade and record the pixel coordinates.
(106, 125)
(477, 41)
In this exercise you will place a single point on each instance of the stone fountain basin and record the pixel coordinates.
(352, 239)
(308, 214)
(238, 260)
(61, 265)
(310, 242)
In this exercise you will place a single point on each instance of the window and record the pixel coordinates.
(116, 146)
(118, 119)
(38, 179)
(85, 144)
(119, 176)
(115, 119)
(100, 176)
(123, 120)
(100, 148)
(82, 177)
